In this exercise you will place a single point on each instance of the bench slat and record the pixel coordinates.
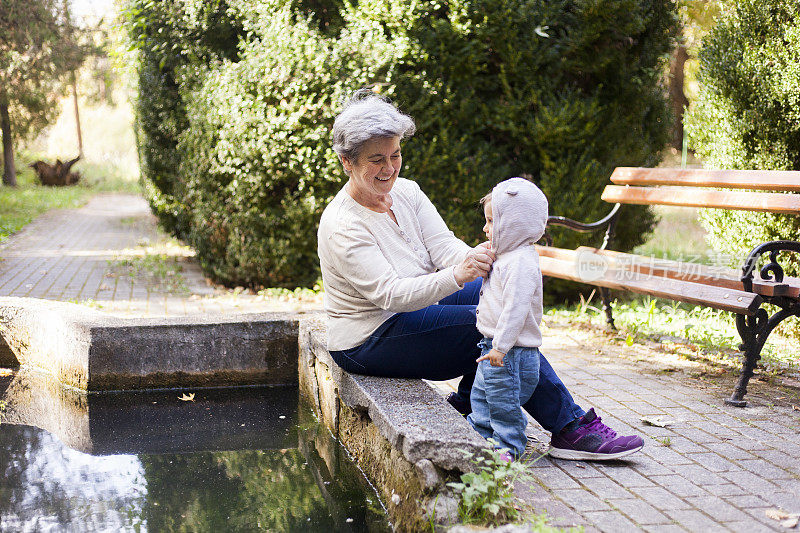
(697, 273)
(738, 302)
(686, 197)
(761, 180)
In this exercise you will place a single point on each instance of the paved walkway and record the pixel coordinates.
(110, 255)
(713, 468)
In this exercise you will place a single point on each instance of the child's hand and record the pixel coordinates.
(495, 357)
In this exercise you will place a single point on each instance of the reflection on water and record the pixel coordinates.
(48, 485)
(297, 479)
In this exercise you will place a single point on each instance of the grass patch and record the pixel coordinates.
(664, 441)
(20, 205)
(88, 303)
(709, 333)
(678, 236)
(161, 271)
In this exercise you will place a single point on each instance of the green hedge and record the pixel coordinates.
(258, 164)
(173, 39)
(748, 112)
(562, 91)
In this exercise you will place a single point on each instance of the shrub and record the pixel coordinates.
(748, 112)
(562, 91)
(236, 143)
(258, 163)
(487, 493)
(172, 37)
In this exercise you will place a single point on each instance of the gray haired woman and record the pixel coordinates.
(401, 290)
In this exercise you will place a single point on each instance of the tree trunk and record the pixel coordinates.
(9, 170)
(77, 115)
(677, 97)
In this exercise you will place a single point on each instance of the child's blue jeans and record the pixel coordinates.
(499, 392)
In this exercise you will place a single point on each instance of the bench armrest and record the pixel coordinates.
(580, 226)
(607, 221)
(772, 271)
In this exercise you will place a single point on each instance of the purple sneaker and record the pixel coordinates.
(593, 440)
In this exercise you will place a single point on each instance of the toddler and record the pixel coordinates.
(509, 313)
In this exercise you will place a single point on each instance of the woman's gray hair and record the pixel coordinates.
(366, 116)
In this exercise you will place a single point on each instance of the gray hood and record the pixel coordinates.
(519, 213)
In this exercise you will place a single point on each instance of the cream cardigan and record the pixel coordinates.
(373, 268)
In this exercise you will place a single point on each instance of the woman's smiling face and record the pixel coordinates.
(374, 171)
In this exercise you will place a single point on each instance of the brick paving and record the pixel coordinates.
(74, 255)
(714, 468)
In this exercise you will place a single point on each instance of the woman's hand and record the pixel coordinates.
(495, 357)
(476, 264)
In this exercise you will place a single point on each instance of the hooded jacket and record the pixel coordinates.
(510, 307)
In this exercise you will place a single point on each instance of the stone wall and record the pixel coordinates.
(93, 351)
(401, 432)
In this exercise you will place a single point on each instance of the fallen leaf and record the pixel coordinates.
(790, 523)
(5, 372)
(795, 408)
(187, 397)
(656, 421)
(777, 514)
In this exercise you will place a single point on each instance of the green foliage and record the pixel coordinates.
(37, 50)
(561, 91)
(748, 112)
(173, 38)
(708, 333)
(487, 494)
(234, 135)
(257, 164)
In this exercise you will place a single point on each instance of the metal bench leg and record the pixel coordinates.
(606, 297)
(754, 331)
(751, 353)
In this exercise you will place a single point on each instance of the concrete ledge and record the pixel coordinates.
(93, 351)
(403, 434)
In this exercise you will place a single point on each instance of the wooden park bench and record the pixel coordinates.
(744, 292)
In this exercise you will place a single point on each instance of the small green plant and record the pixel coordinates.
(487, 495)
(298, 294)
(87, 302)
(161, 271)
(664, 441)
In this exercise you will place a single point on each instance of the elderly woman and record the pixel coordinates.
(401, 290)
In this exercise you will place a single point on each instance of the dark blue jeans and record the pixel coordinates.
(440, 342)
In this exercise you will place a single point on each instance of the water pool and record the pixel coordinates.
(241, 459)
